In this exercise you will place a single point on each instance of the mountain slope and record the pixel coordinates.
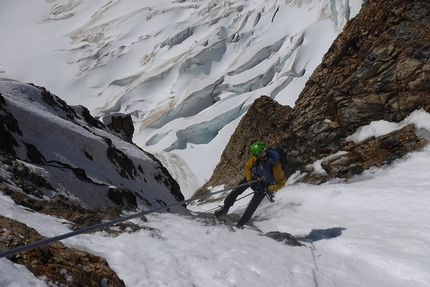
(371, 231)
(368, 231)
(186, 71)
(58, 150)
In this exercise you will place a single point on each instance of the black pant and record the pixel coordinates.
(252, 206)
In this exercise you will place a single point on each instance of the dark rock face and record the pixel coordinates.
(8, 125)
(49, 148)
(377, 69)
(121, 124)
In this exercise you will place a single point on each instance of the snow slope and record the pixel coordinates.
(140, 57)
(369, 232)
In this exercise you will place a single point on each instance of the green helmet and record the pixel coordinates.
(257, 148)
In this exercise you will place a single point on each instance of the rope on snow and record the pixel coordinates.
(97, 226)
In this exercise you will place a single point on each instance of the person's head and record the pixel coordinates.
(258, 149)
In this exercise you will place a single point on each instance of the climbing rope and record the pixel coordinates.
(212, 209)
(101, 225)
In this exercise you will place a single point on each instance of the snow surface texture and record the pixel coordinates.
(185, 70)
(370, 232)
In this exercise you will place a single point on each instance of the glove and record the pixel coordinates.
(270, 196)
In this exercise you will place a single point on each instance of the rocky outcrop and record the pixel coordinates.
(264, 120)
(49, 149)
(61, 161)
(231, 219)
(60, 265)
(373, 152)
(62, 207)
(121, 124)
(377, 69)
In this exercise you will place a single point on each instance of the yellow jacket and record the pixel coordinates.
(278, 174)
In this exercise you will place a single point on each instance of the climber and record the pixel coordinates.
(264, 165)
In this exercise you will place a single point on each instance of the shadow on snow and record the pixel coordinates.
(319, 234)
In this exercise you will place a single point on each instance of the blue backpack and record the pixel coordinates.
(283, 158)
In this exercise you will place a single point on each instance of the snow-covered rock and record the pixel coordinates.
(51, 149)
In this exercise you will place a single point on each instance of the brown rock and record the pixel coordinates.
(378, 68)
(263, 121)
(61, 265)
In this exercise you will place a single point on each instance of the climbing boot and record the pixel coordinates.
(240, 226)
(223, 210)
